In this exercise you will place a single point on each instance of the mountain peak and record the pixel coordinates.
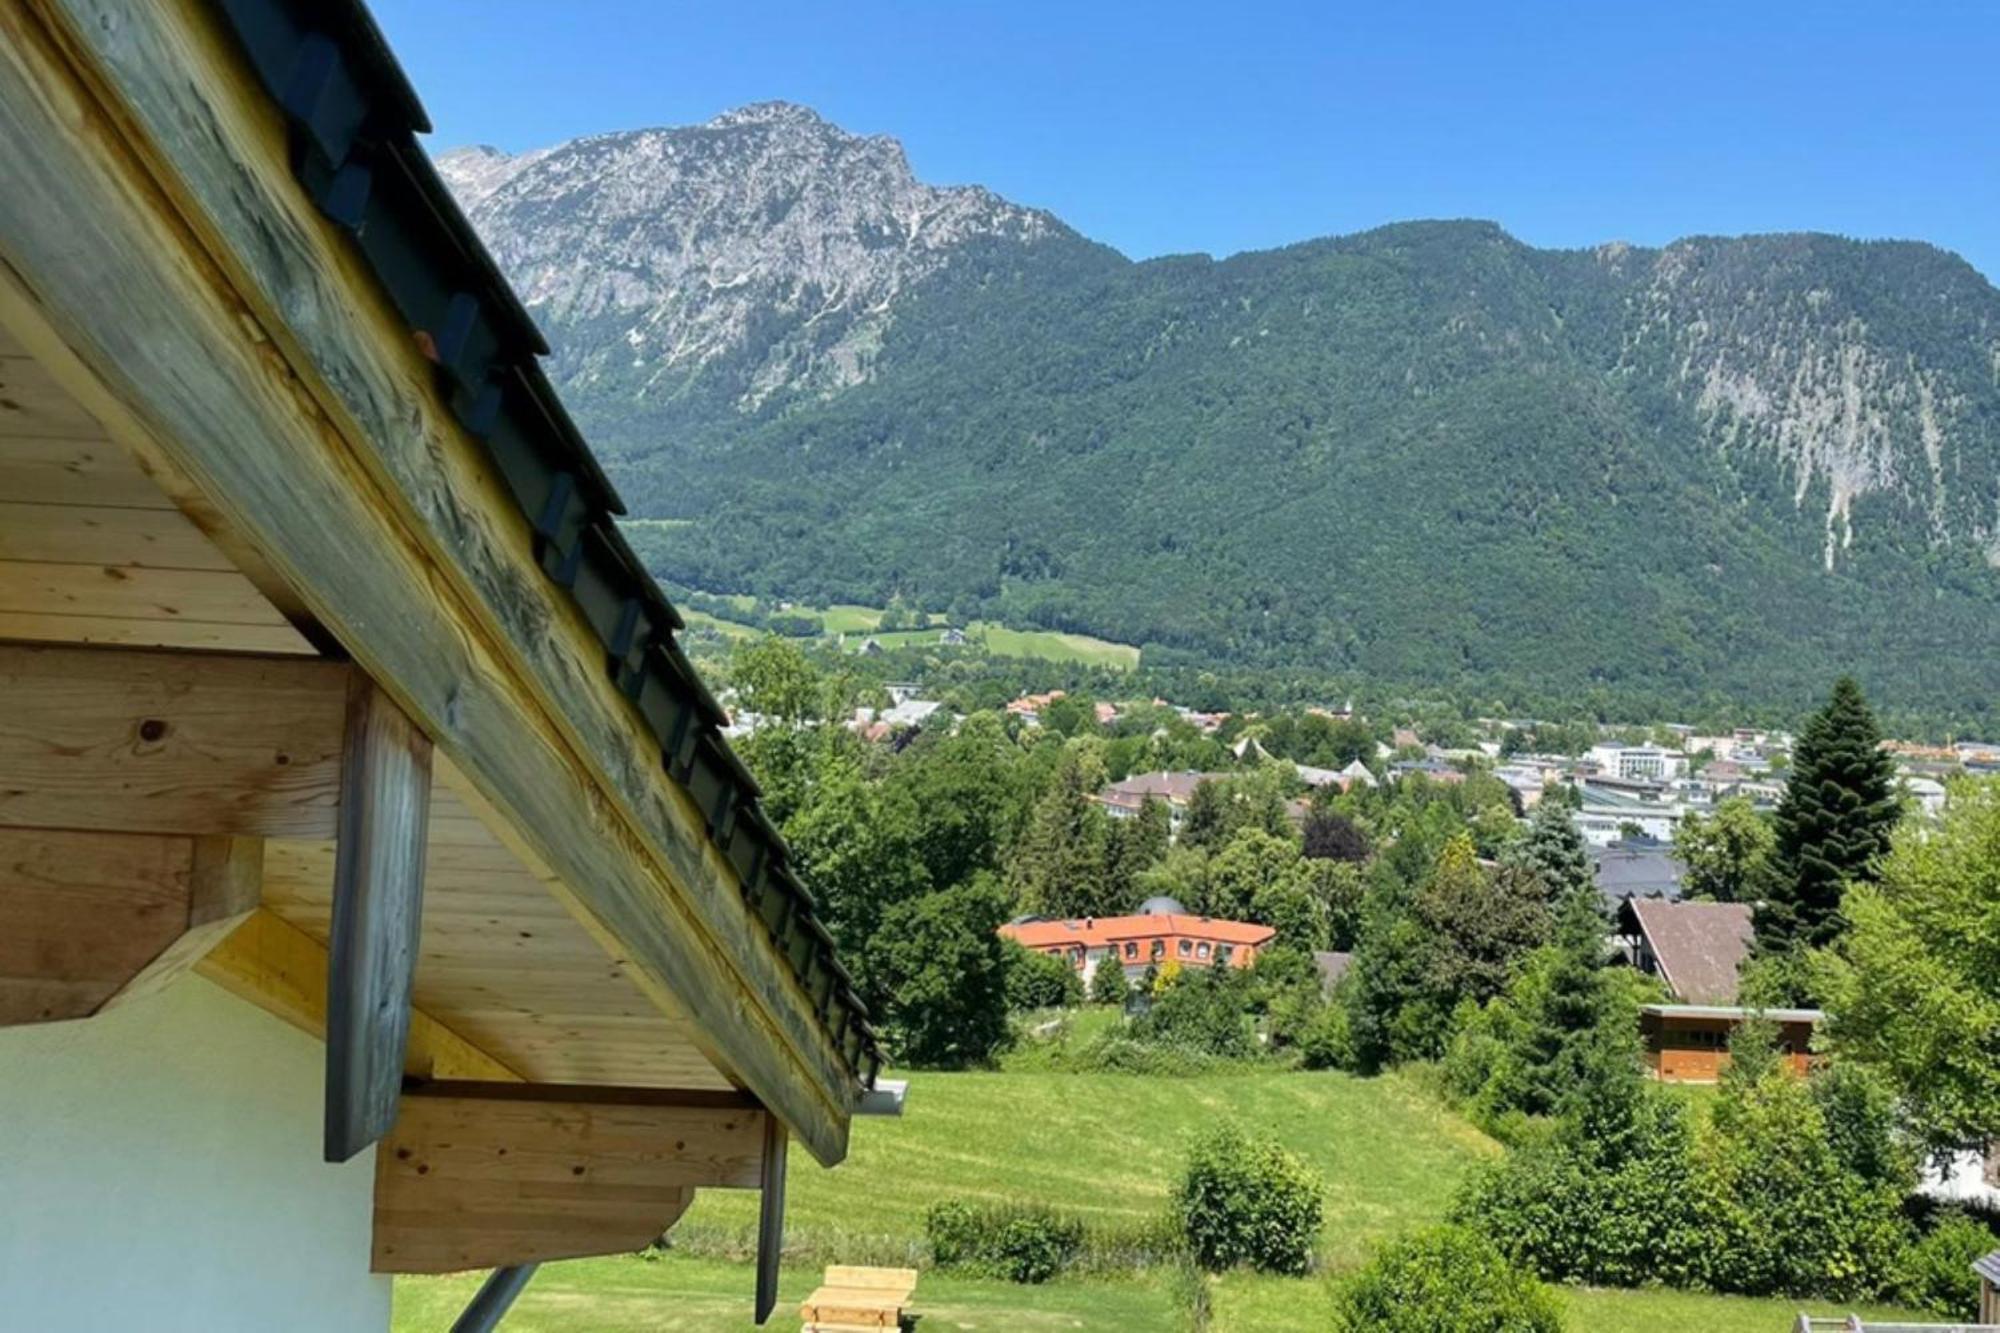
(771, 113)
(763, 252)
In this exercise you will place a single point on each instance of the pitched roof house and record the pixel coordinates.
(1696, 948)
(1159, 932)
(367, 841)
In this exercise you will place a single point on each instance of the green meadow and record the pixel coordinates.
(1104, 1145)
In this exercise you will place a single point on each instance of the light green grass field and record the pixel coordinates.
(844, 618)
(675, 1294)
(1003, 642)
(858, 624)
(1057, 647)
(1108, 1145)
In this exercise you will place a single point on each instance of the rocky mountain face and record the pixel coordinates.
(1725, 468)
(761, 254)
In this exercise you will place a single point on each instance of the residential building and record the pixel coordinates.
(1650, 763)
(1160, 931)
(1029, 706)
(1123, 799)
(1696, 950)
(1332, 965)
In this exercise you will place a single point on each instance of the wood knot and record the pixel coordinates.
(152, 729)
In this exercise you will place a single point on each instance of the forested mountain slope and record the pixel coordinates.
(1428, 453)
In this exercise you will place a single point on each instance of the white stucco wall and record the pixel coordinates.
(159, 1170)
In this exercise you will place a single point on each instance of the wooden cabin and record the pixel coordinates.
(1689, 1043)
(377, 892)
(1696, 949)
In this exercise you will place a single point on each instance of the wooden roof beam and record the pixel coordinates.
(258, 357)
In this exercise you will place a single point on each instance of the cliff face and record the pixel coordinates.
(765, 250)
(1858, 370)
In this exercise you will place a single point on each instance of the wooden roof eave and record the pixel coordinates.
(154, 225)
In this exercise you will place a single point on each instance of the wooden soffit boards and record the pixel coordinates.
(482, 1177)
(221, 324)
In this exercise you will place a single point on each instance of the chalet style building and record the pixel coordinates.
(1696, 949)
(377, 891)
(1161, 931)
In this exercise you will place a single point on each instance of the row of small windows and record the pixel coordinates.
(1200, 951)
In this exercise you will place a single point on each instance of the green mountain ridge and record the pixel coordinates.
(1725, 469)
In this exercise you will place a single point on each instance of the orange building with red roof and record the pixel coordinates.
(1161, 930)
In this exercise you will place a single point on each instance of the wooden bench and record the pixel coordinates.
(858, 1300)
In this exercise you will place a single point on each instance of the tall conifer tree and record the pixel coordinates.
(1833, 824)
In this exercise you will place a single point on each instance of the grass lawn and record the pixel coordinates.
(675, 1294)
(1244, 1303)
(859, 622)
(1108, 1146)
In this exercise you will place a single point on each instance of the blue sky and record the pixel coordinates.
(1168, 127)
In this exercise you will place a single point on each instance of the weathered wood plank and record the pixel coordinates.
(259, 359)
(165, 742)
(378, 904)
(282, 970)
(770, 1218)
(473, 1181)
(106, 536)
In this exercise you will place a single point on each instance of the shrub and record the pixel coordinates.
(1324, 1043)
(1936, 1273)
(1445, 1277)
(1626, 1192)
(1246, 1200)
(1019, 1241)
(1040, 981)
(1205, 1010)
(1107, 983)
(1596, 1204)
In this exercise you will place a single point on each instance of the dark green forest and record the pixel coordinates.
(1427, 455)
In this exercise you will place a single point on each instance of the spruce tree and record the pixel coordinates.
(1553, 850)
(1568, 1009)
(1833, 824)
(1057, 868)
